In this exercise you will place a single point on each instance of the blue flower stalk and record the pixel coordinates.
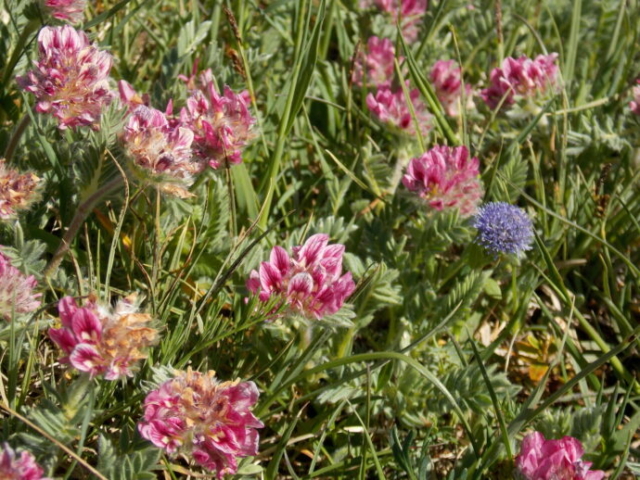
(503, 228)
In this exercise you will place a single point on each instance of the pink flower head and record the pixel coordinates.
(17, 191)
(70, 80)
(408, 13)
(23, 467)
(390, 106)
(521, 78)
(196, 414)
(221, 123)
(100, 340)
(66, 10)
(446, 177)
(16, 290)
(542, 459)
(635, 103)
(310, 282)
(375, 66)
(446, 78)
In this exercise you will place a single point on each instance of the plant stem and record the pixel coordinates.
(15, 137)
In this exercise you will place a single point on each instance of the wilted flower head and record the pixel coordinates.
(503, 228)
(195, 414)
(14, 467)
(521, 78)
(407, 12)
(65, 10)
(446, 78)
(221, 123)
(17, 190)
(102, 340)
(375, 66)
(16, 290)
(390, 106)
(70, 80)
(309, 283)
(542, 459)
(446, 177)
(635, 103)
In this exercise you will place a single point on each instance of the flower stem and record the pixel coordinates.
(15, 137)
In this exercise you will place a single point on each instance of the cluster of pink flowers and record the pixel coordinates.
(391, 107)
(635, 103)
(198, 415)
(446, 78)
(16, 290)
(66, 10)
(445, 177)
(17, 190)
(408, 13)
(375, 67)
(222, 124)
(100, 340)
(542, 459)
(309, 283)
(521, 78)
(70, 80)
(23, 467)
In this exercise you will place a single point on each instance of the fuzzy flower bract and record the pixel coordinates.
(100, 340)
(446, 78)
(503, 228)
(309, 282)
(197, 415)
(66, 10)
(446, 177)
(22, 467)
(16, 290)
(542, 459)
(70, 80)
(390, 106)
(17, 191)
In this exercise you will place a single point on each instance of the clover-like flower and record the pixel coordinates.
(446, 78)
(503, 228)
(391, 107)
(446, 177)
(22, 467)
(408, 13)
(375, 66)
(66, 10)
(102, 340)
(521, 78)
(635, 103)
(16, 290)
(222, 124)
(197, 415)
(309, 282)
(542, 459)
(70, 80)
(17, 191)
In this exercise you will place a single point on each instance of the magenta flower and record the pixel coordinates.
(70, 80)
(196, 414)
(66, 10)
(309, 283)
(542, 459)
(446, 78)
(23, 467)
(16, 290)
(221, 123)
(408, 13)
(445, 177)
(17, 191)
(521, 78)
(390, 106)
(635, 103)
(375, 66)
(100, 340)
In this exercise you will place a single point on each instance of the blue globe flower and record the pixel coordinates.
(503, 228)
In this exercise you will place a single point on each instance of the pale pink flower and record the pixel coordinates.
(309, 282)
(197, 415)
(130, 98)
(17, 191)
(390, 106)
(23, 467)
(445, 177)
(521, 78)
(542, 459)
(635, 103)
(446, 78)
(375, 67)
(70, 80)
(16, 290)
(221, 123)
(66, 10)
(100, 340)
(408, 13)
